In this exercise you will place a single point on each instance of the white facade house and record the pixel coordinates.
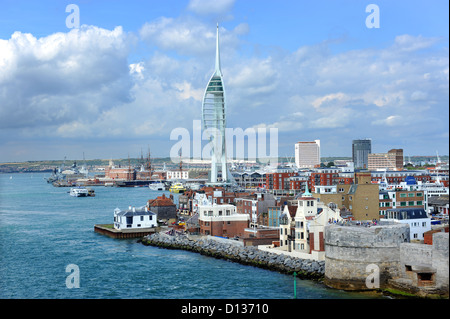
(309, 222)
(134, 218)
(223, 213)
(416, 218)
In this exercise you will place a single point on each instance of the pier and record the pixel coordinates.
(109, 230)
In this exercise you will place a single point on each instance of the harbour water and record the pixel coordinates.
(43, 230)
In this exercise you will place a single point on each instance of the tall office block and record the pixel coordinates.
(360, 152)
(307, 154)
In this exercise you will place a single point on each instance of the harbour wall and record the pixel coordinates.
(352, 252)
(234, 251)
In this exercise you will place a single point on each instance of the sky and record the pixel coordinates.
(134, 71)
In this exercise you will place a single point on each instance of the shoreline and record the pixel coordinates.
(250, 256)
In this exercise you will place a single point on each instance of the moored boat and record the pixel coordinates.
(157, 186)
(177, 188)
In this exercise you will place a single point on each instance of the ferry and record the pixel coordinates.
(177, 188)
(79, 192)
(157, 186)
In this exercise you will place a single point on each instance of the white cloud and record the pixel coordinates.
(205, 7)
(65, 76)
(189, 36)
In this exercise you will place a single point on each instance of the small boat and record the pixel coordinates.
(91, 192)
(158, 186)
(177, 188)
(79, 192)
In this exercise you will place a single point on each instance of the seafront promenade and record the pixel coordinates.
(236, 252)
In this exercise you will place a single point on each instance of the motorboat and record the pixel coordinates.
(79, 192)
(177, 188)
(157, 186)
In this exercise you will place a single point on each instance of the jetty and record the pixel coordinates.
(109, 230)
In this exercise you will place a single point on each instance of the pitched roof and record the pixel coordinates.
(160, 201)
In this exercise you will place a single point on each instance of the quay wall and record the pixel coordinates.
(108, 230)
(236, 252)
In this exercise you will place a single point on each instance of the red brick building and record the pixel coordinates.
(222, 221)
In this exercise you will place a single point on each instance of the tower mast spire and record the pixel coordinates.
(218, 70)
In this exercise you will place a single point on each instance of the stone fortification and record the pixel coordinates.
(236, 252)
(353, 253)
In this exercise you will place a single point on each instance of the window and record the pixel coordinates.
(411, 203)
(402, 203)
(411, 195)
(419, 194)
(403, 195)
(142, 218)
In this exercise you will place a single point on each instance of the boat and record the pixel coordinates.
(79, 192)
(177, 188)
(157, 186)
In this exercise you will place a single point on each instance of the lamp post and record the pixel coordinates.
(295, 285)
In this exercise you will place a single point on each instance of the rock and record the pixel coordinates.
(245, 255)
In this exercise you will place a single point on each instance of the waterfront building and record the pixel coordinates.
(360, 151)
(214, 121)
(164, 207)
(134, 218)
(222, 221)
(416, 218)
(177, 174)
(302, 226)
(307, 154)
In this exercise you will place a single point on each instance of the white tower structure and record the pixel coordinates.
(214, 120)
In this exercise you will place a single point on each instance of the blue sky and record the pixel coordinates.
(136, 70)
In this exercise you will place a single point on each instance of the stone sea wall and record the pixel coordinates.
(305, 269)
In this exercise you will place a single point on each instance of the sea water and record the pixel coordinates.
(47, 240)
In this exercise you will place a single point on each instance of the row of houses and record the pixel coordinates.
(288, 180)
(296, 223)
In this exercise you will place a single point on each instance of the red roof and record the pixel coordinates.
(160, 201)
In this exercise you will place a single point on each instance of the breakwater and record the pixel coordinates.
(228, 250)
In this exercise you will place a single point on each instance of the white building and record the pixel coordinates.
(416, 218)
(310, 220)
(174, 175)
(307, 154)
(134, 218)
